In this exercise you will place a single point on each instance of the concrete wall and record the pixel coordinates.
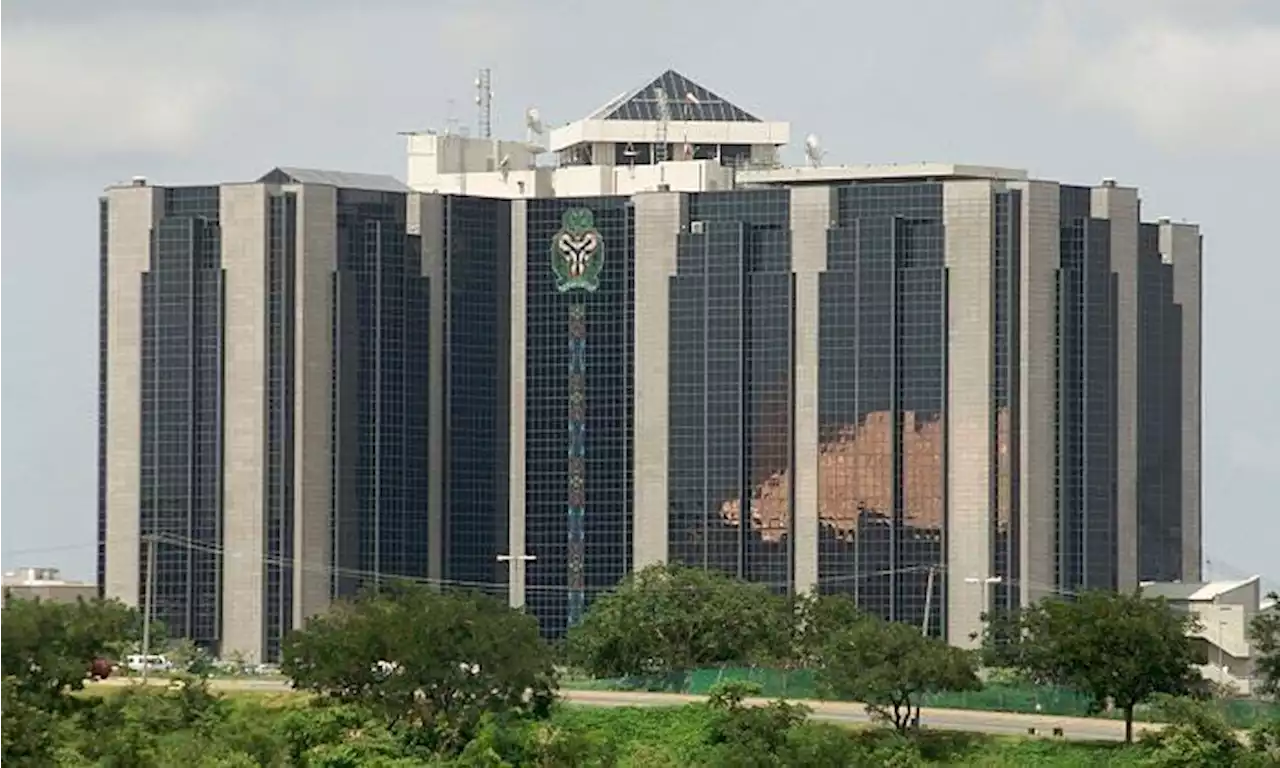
(131, 213)
(517, 415)
(1041, 258)
(811, 211)
(659, 216)
(1181, 244)
(244, 238)
(316, 260)
(1120, 206)
(968, 217)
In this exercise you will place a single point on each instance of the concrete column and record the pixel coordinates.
(811, 208)
(426, 217)
(968, 218)
(659, 216)
(131, 213)
(244, 258)
(516, 541)
(1120, 206)
(315, 262)
(1041, 259)
(1181, 245)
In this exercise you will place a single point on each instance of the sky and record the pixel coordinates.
(1178, 97)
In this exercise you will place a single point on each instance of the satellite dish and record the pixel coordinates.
(813, 150)
(533, 121)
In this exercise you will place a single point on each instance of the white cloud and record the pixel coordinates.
(173, 84)
(1182, 77)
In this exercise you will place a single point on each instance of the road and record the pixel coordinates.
(844, 712)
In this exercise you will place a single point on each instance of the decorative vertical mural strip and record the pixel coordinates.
(577, 474)
(576, 260)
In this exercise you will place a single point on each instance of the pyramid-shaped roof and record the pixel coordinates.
(372, 182)
(686, 101)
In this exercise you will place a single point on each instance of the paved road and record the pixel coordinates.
(995, 723)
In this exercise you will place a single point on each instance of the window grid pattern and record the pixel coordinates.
(181, 392)
(607, 535)
(279, 438)
(730, 442)
(1159, 415)
(382, 326)
(478, 273)
(104, 219)
(881, 399)
(1006, 413)
(1087, 396)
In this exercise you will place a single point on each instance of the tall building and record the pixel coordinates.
(938, 388)
(274, 414)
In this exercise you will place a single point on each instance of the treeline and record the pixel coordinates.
(411, 675)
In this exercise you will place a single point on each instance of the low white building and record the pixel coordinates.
(1223, 611)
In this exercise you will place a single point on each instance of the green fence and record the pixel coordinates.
(994, 697)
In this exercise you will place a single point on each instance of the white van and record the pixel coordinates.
(155, 663)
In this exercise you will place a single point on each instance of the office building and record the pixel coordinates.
(939, 388)
(1223, 612)
(269, 417)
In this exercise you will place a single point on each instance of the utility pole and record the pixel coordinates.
(148, 601)
(516, 563)
(928, 603)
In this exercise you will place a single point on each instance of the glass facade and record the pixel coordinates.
(478, 271)
(578, 483)
(181, 414)
(278, 446)
(881, 399)
(381, 365)
(1087, 399)
(1159, 414)
(730, 442)
(1006, 422)
(104, 292)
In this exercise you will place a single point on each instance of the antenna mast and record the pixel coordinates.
(484, 103)
(664, 117)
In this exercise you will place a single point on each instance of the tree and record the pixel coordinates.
(1119, 647)
(671, 618)
(1264, 634)
(890, 666)
(49, 648)
(418, 657)
(817, 619)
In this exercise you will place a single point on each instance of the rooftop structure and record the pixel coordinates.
(1223, 612)
(45, 584)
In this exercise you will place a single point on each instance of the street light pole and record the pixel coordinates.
(986, 583)
(516, 573)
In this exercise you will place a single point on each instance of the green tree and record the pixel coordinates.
(1264, 634)
(47, 647)
(817, 619)
(420, 658)
(671, 618)
(1194, 735)
(890, 666)
(1111, 646)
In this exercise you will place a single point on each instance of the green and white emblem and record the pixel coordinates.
(576, 252)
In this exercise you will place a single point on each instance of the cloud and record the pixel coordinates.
(1182, 75)
(170, 84)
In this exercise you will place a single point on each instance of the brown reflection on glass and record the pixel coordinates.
(1004, 474)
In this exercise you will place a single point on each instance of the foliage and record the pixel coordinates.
(1264, 634)
(425, 659)
(1001, 637)
(890, 666)
(48, 647)
(671, 617)
(1113, 647)
(1194, 736)
(818, 618)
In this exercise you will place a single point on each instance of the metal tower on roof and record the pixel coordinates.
(484, 103)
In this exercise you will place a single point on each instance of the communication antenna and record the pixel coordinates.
(813, 150)
(451, 118)
(484, 103)
(533, 122)
(664, 117)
